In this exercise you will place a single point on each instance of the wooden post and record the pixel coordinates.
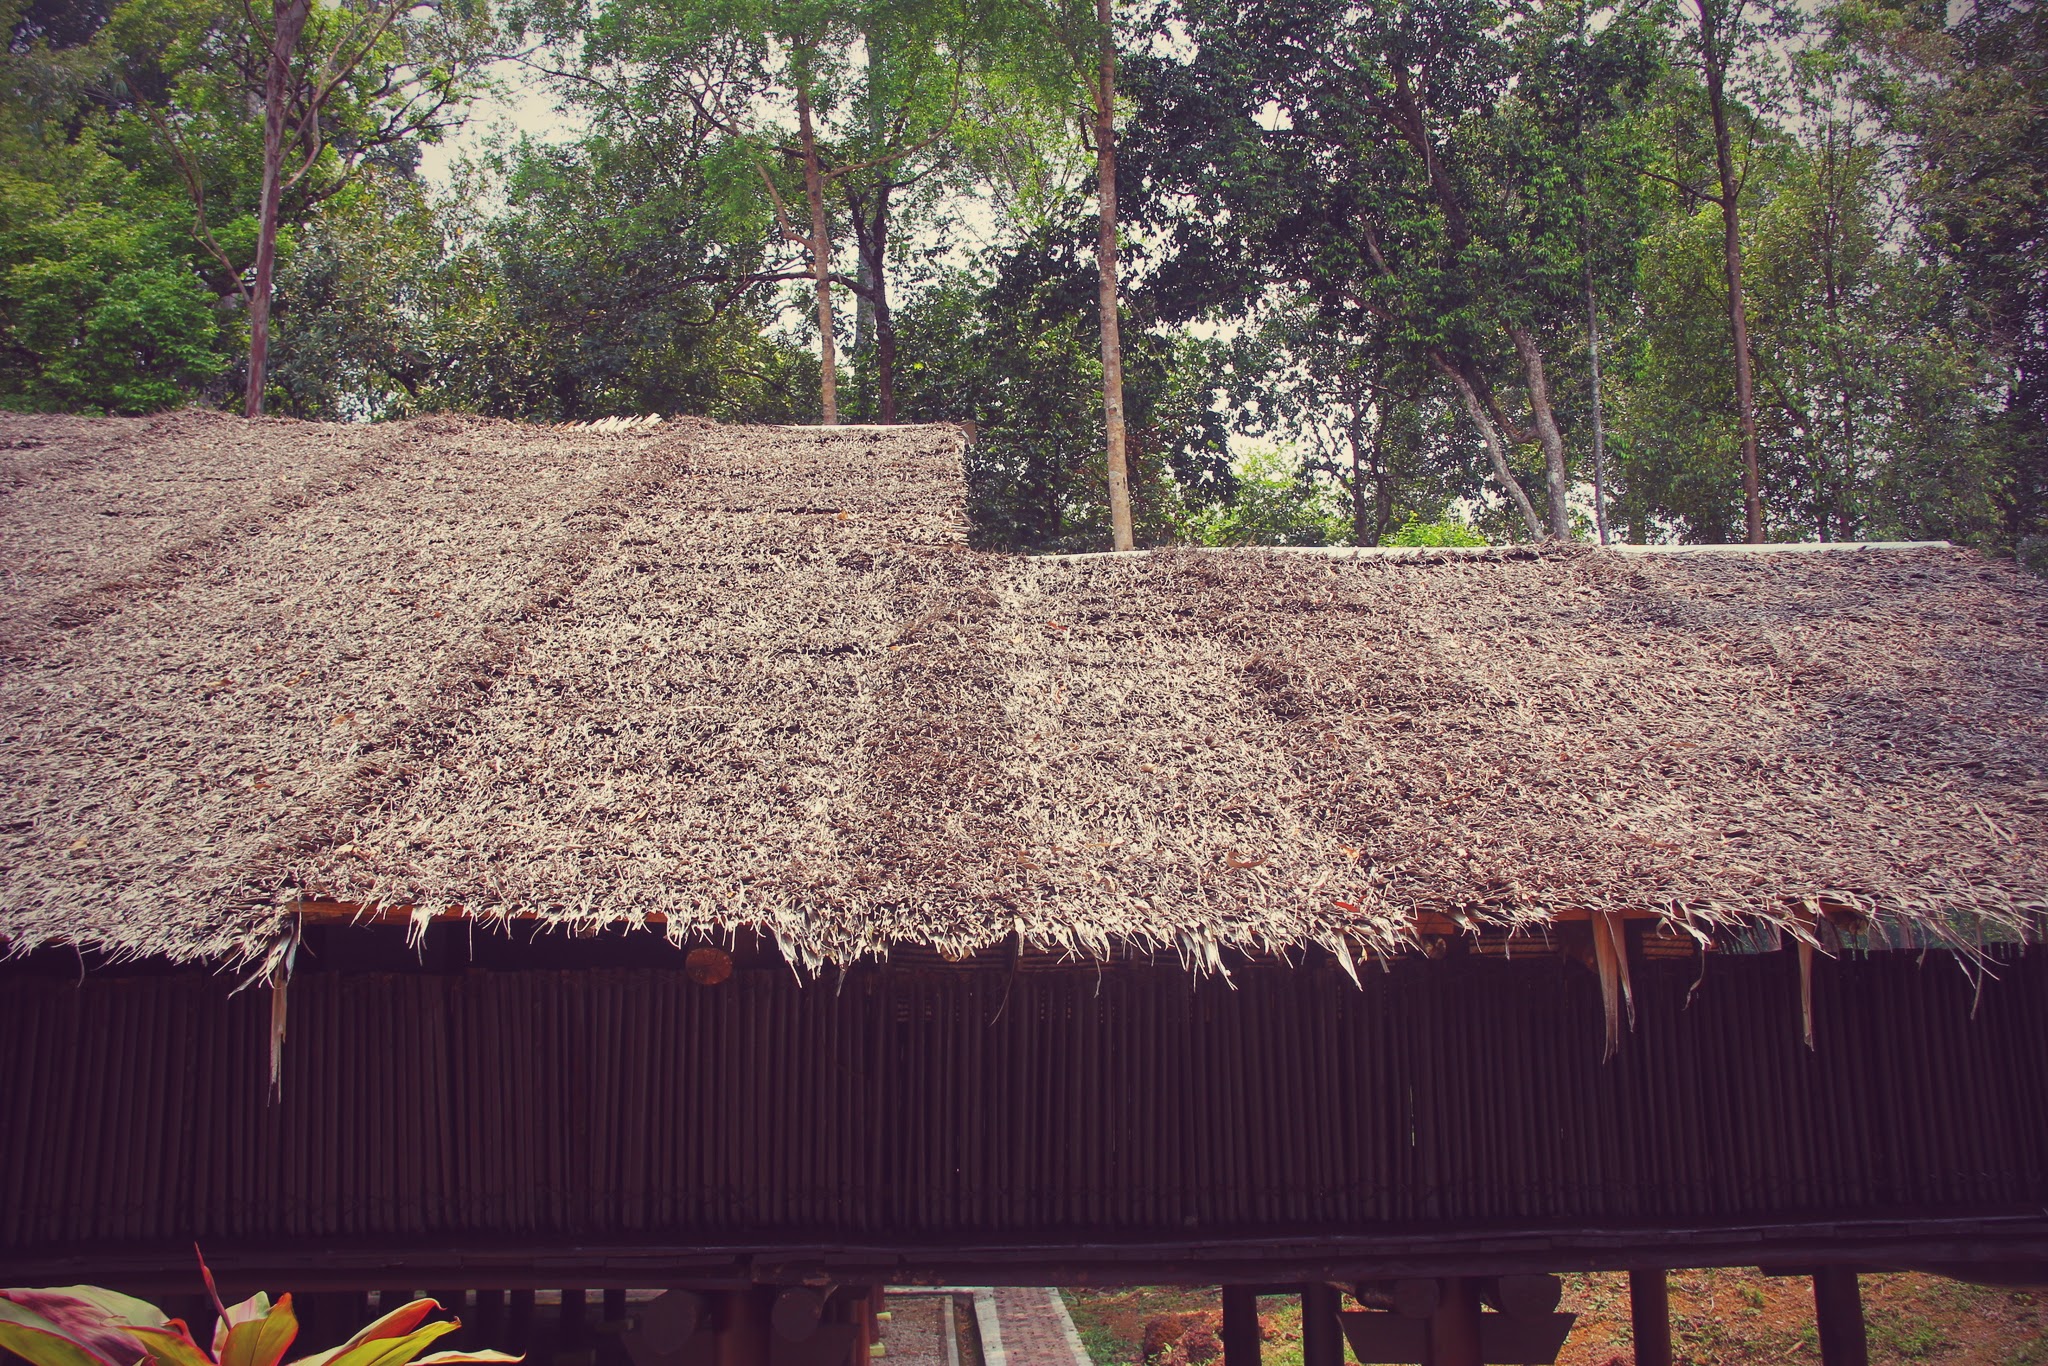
(744, 1338)
(1649, 1317)
(1322, 1335)
(490, 1319)
(312, 1313)
(572, 1319)
(1454, 1328)
(614, 1309)
(1838, 1311)
(519, 1322)
(1240, 1326)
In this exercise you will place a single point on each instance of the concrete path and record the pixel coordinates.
(1015, 1327)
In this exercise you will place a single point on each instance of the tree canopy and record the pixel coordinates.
(1352, 267)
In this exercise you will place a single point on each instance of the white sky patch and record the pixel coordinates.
(520, 105)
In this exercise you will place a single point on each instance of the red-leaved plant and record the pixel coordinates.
(83, 1325)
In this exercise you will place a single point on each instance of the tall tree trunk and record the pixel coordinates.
(885, 352)
(1361, 526)
(885, 324)
(1714, 65)
(1496, 450)
(288, 21)
(1835, 165)
(1382, 479)
(1368, 462)
(875, 329)
(863, 302)
(1599, 422)
(821, 258)
(1105, 261)
(1547, 433)
(1592, 309)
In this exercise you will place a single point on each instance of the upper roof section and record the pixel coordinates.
(746, 678)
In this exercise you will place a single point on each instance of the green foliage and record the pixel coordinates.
(1420, 533)
(1276, 501)
(100, 309)
(1017, 354)
(1329, 209)
(86, 1326)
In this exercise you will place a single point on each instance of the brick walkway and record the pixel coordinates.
(1036, 1329)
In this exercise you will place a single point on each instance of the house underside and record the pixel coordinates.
(483, 1113)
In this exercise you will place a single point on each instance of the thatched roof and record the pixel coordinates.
(753, 679)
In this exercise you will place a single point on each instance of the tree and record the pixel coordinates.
(786, 84)
(1721, 34)
(1393, 163)
(917, 76)
(1105, 266)
(1966, 97)
(1358, 417)
(340, 86)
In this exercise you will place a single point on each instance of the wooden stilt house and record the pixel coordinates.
(462, 855)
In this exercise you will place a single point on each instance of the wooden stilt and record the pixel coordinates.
(489, 1318)
(1649, 1317)
(1322, 1336)
(1838, 1310)
(519, 1322)
(861, 1311)
(743, 1341)
(575, 1317)
(1240, 1326)
(312, 1313)
(1454, 1327)
(614, 1308)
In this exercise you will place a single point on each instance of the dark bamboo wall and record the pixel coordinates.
(924, 1105)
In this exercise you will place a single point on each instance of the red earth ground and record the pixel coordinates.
(1718, 1318)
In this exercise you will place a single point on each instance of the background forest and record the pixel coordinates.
(1406, 272)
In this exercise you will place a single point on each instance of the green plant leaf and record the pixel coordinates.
(456, 1358)
(42, 1347)
(260, 1341)
(97, 1319)
(394, 1351)
(248, 1311)
(397, 1323)
(172, 1345)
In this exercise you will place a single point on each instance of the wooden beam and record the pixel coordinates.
(1649, 1316)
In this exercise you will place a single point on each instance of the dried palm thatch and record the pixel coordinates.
(719, 679)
